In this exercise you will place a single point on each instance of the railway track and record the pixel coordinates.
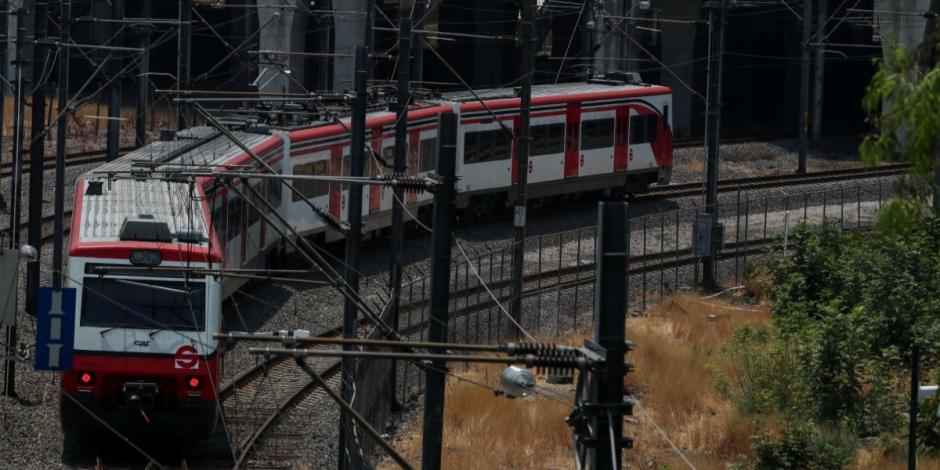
(469, 301)
(298, 388)
(772, 181)
(72, 159)
(281, 388)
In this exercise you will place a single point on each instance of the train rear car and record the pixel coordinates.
(145, 361)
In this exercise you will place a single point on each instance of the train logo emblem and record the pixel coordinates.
(187, 357)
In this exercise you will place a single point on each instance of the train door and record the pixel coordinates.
(643, 135)
(251, 223)
(572, 140)
(388, 154)
(597, 143)
(547, 152)
(414, 137)
(336, 189)
(427, 157)
(621, 139)
(372, 164)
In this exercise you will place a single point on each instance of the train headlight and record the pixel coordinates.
(193, 382)
(86, 378)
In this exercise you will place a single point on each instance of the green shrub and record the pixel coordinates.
(803, 446)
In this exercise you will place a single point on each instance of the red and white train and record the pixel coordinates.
(144, 357)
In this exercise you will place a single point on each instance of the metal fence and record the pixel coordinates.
(558, 293)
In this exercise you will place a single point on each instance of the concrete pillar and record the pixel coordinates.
(282, 29)
(907, 30)
(349, 32)
(678, 51)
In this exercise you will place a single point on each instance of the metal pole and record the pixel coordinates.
(417, 65)
(522, 160)
(143, 82)
(348, 459)
(607, 388)
(61, 136)
(4, 40)
(912, 412)
(401, 149)
(36, 154)
(804, 84)
(182, 65)
(9, 388)
(114, 92)
(819, 71)
(444, 205)
(716, 28)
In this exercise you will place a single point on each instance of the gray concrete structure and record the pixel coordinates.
(349, 22)
(907, 30)
(282, 29)
(678, 53)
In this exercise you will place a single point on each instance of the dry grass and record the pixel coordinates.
(690, 164)
(87, 125)
(482, 431)
(676, 344)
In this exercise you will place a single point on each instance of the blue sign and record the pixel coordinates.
(55, 329)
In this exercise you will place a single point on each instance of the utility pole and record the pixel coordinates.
(928, 58)
(914, 402)
(607, 391)
(522, 161)
(20, 62)
(4, 26)
(36, 153)
(444, 206)
(184, 47)
(348, 458)
(143, 81)
(820, 70)
(417, 65)
(114, 91)
(716, 34)
(65, 21)
(401, 149)
(804, 84)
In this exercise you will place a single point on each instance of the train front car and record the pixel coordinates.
(145, 361)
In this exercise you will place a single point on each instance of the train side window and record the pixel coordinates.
(233, 226)
(597, 134)
(487, 146)
(428, 151)
(304, 187)
(548, 139)
(251, 211)
(643, 129)
(218, 218)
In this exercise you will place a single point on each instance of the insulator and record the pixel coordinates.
(329, 220)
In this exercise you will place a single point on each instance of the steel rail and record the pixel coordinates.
(247, 447)
(772, 181)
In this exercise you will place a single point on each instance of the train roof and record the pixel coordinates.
(560, 90)
(201, 146)
(103, 215)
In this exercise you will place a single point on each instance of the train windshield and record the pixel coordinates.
(143, 303)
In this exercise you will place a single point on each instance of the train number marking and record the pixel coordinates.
(187, 357)
(531, 166)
